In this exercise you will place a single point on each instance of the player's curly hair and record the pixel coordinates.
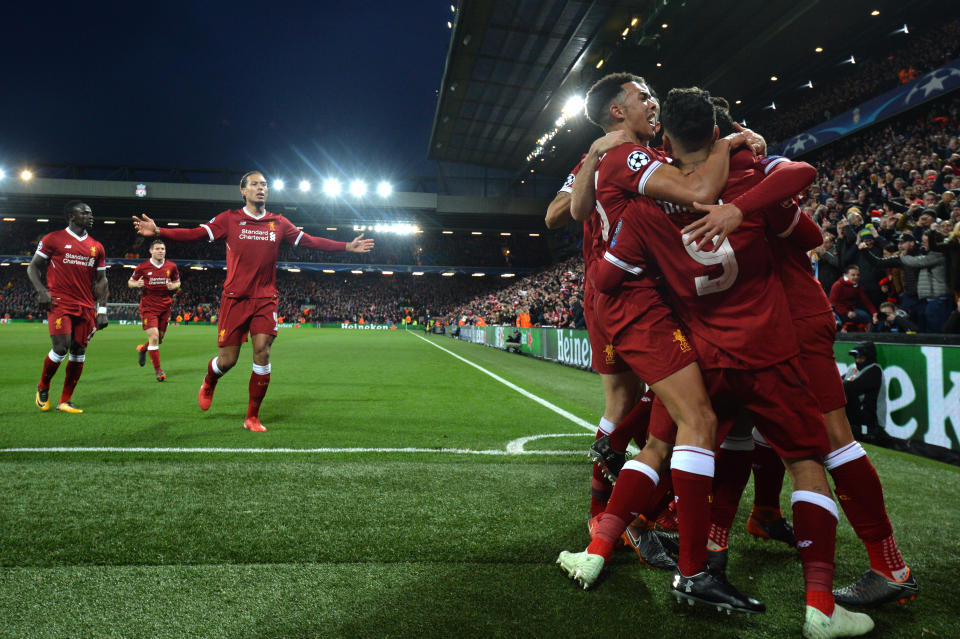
(687, 117)
(69, 207)
(243, 183)
(721, 112)
(604, 92)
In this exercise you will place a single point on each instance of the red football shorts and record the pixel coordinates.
(784, 410)
(815, 335)
(238, 317)
(604, 357)
(646, 336)
(79, 322)
(154, 319)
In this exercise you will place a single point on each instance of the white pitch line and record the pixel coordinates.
(454, 451)
(559, 411)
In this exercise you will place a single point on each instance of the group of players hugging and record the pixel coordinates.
(715, 308)
(75, 294)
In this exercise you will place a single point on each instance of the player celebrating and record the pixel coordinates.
(158, 277)
(249, 304)
(77, 284)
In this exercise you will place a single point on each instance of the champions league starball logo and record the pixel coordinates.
(932, 84)
(637, 160)
(800, 143)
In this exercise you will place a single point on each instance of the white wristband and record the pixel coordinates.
(101, 310)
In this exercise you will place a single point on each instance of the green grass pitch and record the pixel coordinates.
(406, 519)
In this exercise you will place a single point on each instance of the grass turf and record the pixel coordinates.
(341, 544)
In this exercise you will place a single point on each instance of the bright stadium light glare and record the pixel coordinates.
(358, 188)
(278, 185)
(329, 270)
(26, 175)
(42, 219)
(384, 189)
(573, 106)
(331, 186)
(417, 273)
(447, 274)
(507, 275)
(357, 272)
(2, 174)
(304, 185)
(386, 272)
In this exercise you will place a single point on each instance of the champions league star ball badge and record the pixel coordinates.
(637, 160)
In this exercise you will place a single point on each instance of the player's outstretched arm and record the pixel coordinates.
(558, 213)
(144, 226)
(360, 245)
(33, 273)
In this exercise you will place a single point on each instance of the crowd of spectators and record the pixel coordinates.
(886, 200)
(852, 84)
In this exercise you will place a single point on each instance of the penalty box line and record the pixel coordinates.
(556, 409)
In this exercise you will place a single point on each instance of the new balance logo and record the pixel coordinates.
(804, 543)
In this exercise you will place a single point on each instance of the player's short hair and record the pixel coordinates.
(69, 207)
(157, 240)
(243, 182)
(721, 113)
(604, 92)
(851, 267)
(687, 117)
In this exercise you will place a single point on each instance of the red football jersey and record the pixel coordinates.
(156, 298)
(731, 299)
(74, 262)
(252, 248)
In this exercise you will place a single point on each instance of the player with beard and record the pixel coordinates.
(158, 277)
(727, 293)
(249, 304)
(75, 300)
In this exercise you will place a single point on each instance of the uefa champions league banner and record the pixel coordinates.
(919, 401)
(932, 85)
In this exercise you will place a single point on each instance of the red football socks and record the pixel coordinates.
(258, 390)
(692, 472)
(154, 358)
(70, 379)
(49, 370)
(815, 526)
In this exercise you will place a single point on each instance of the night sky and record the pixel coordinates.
(339, 86)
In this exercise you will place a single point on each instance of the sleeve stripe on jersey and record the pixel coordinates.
(793, 225)
(43, 255)
(646, 175)
(296, 242)
(616, 261)
(772, 164)
(209, 232)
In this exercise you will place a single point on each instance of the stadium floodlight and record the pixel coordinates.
(357, 272)
(534, 234)
(331, 186)
(26, 175)
(573, 106)
(9, 219)
(173, 223)
(508, 275)
(417, 273)
(42, 219)
(506, 234)
(278, 184)
(477, 274)
(358, 188)
(447, 232)
(331, 228)
(447, 274)
(109, 221)
(304, 185)
(384, 189)
(386, 272)
(2, 174)
(476, 232)
(292, 269)
(329, 270)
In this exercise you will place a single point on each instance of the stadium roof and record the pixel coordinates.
(513, 64)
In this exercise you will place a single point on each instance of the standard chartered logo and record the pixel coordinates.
(573, 350)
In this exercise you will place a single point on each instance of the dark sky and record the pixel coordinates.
(282, 85)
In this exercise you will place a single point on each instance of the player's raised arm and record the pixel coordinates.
(583, 196)
(558, 212)
(783, 180)
(670, 184)
(360, 245)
